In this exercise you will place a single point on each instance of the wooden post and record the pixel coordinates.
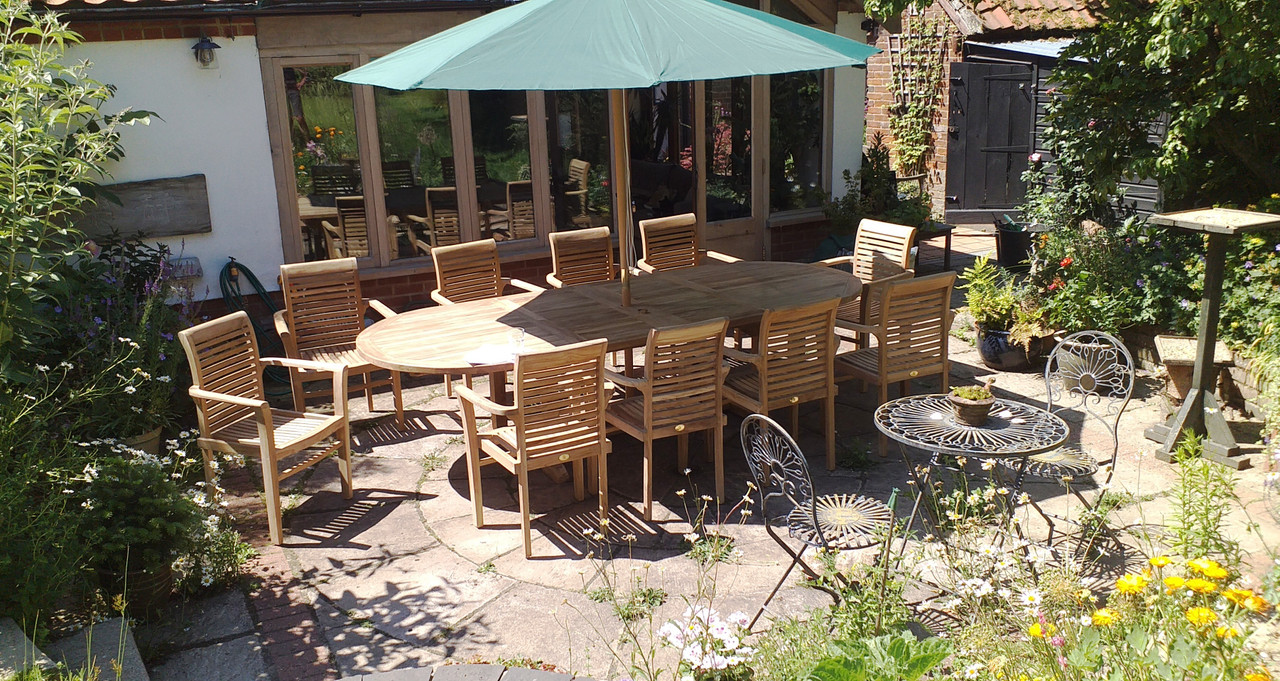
(620, 156)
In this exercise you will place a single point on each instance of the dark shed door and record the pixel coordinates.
(992, 113)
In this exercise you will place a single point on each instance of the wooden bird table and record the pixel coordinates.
(1200, 412)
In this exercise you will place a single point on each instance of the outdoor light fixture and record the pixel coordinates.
(204, 51)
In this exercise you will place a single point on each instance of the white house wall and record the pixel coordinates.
(850, 106)
(208, 121)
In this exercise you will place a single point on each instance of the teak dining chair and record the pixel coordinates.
(517, 214)
(443, 221)
(681, 393)
(881, 250)
(579, 175)
(673, 243)
(234, 416)
(323, 313)
(471, 271)
(911, 332)
(793, 364)
(583, 256)
(558, 417)
(350, 237)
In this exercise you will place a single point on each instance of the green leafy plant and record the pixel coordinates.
(1202, 499)
(891, 657)
(974, 392)
(917, 88)
(873, 193)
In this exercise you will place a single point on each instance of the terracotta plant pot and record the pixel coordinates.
(147, 442)
(971, 412)
(145, 592)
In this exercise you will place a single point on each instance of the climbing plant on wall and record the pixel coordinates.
(917, 58)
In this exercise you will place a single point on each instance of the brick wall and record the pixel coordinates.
(797, 243)
(880, 105)
(159, 29)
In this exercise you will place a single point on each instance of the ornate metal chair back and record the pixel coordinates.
(1091, 372)
(779, 470)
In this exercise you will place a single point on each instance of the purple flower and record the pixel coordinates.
(1140, 283)
(98, 321)
(1164, 264)
(162, 357)
(1157, 243)
(166, 335)
(1248, 278)
(57, 309)
(1277, 248)
(1248, 264)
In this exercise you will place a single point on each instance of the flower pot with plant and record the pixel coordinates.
(972, 404)
(1008, 319)
(137, 520)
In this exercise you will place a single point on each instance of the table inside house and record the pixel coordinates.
(1013, 431)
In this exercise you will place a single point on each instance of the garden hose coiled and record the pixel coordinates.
(269, 344)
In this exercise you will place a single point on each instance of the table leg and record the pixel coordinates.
(1200, 412)
(946, 254)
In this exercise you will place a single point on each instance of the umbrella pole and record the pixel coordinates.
(621, 158)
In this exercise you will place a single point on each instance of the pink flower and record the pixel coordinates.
(1035, 158)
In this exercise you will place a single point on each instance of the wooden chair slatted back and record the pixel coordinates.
(334, 180)
(448, 170)
(916, 317)
(223, 356)
(443, 216)
(561, 401)
(520, 209)
(322, 302)
(397, 175)
(881, 249)
(583, 256)
(469, 271)
(670, 243)
(798, 345)
(482, 170)
(354, 226)
(579, 175)
(684, 366)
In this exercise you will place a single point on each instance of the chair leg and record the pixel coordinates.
(682, 450)
(579, 493)
(295, 386)
(472, 439)
(829, 422)
(367, 378)
(795, 421)
(398, 395)
(717, 447)
(271, 489)
(648, 478)
(884, 440)
(344, 461)
(904, 388)
(794, 562)
(593, 473)
(522, 485)
(209, 473)
(604, 492)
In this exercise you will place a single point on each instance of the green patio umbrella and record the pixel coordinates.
(609, 45)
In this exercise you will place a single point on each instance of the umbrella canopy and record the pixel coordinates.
(608, 44)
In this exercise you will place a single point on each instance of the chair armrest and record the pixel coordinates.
(860, 328)
(576, 192)
(722, 257)
(339, 372)
(282, 329)
(380, 307)
(748, 357)
(554, 282)
(519, 283)
(645, 267)
(440, 298)
(465, 393)
(628, 381)
(836, 261)
(418, 219)
(200, 394)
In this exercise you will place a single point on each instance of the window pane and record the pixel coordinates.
(578, 142)
(415, 139)
(326, 157)
(500, 138)
(661, 129)
(728, 149)
(795, 141)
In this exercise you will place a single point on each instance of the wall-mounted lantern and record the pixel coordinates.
(204, 51)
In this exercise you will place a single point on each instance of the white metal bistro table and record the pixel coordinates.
(927, 422)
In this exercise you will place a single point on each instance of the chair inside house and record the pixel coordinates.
(582, 256)
(832, 522)
(673, 243)
(558, 417)
(1088, 378)
(235, 418)
(680, 393)
(880, 250)
(398, 175)
(335, 180)
(443, 221)
(793, 364)
(350, 237)
(576, 188)
(515, 217)
(911, 330)
(323, 313)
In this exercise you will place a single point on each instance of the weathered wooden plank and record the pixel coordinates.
(151, 208)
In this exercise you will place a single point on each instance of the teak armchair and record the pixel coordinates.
(234, 416)
(681, 393)
(323, 313)
(911, 332)
(443, 224)
(579, 175)
(471, 271)
(581, 257)
(794, 363)
(672, 243)
(517, 215)
(350, 237)
(558, 417)
(881, 250)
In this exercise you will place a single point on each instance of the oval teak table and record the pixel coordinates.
(437, 339)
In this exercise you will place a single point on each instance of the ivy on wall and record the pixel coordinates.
(918, 59)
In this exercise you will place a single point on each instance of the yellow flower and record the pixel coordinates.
(1237, 596)
(1227, 631)
(1105, 617)
(1173, 583)
(1202, 564)
(1131, 584)
(1201, 586)
(1215, 572)
(302, 167)
(1201, 616)
(317, 135)
(1160, 561)
(1260, 675)
(317, 128)
(1256, 604)
(1038, 630)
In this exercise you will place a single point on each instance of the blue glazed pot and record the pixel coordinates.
(999, 354)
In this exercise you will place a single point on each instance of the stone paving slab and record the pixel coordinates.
(239, 659)
(106, 645)
(188, 624)
(17, 652)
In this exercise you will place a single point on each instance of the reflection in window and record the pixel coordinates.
(661, 130)
(415, 138)
(500, 139)
(728, 149)
(795, 141)
(578, 144)
(326, 162)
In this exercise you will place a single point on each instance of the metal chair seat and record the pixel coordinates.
(1064, 464)
(846, 521)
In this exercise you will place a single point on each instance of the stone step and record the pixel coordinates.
(17, 652)
(107, 645)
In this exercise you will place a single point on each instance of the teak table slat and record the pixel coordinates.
(436, 340)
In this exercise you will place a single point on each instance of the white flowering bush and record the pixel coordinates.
(711, 646)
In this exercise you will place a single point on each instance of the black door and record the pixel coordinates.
(992, 116)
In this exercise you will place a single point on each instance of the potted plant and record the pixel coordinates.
(1008, 319)
(137, 519)
(972, 404)
(1013, 243)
